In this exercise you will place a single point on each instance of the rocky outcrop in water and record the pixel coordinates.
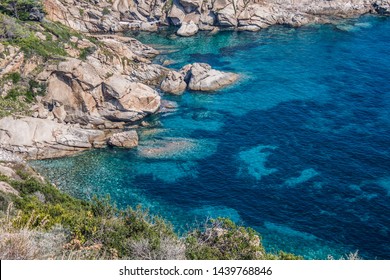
(87, 99)
(37, 138)
(193, 15)
(188, 29)
(125, 139)
(197, 77)
(201, 77)
(174, 83)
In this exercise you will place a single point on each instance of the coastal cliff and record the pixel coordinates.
(63, 92)
(190, 16)
(65, 88)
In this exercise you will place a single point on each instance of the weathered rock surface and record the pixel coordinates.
(249, 15)
(128, 101)
(8, 189)
(9, 172)
(6, 156)
(125, 139)
(105, 87)
(37, 138)
(174, 83)
(188, 29)
(203, 78)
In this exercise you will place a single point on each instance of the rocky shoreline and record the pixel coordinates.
(89, 102)
(190, 16)
(99, 92)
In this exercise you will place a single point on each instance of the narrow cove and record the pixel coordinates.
(298, 149)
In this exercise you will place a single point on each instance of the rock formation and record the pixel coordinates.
(86, 100)
(107, 81)
(36, 138)
(125, 139)
(193, 15)
(174, 83)
(203, 78)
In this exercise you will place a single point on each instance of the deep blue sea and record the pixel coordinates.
(299, 149)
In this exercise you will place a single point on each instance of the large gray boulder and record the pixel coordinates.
(125, 139)
(128, 101)
(203, 78)
(36, 138)
(188, 29)
(174, 83)
(176, 14)
(93, 92)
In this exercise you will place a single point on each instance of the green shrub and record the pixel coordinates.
(126, 234)
(106, 11)
(14, 77)
(23, 9)
(11, 29)
(17, 92)
(61, 31)
(86, 52)
(9, 107)
(221, 239)
(32, 45)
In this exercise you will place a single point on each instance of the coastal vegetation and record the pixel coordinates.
(38, 221)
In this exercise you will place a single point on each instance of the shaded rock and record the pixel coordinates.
(190, 5)
(59, 113)
(203, 78)
(126, 139)
(382, 7)
(176, 14)
(174, 83)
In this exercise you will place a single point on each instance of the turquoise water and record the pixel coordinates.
(299, 149)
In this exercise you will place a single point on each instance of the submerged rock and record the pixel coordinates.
(169, 147)
(126, 139)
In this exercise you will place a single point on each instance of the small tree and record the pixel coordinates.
(23, 9)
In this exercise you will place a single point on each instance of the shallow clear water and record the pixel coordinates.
(299, 149)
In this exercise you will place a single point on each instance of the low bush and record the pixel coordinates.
(97, 229)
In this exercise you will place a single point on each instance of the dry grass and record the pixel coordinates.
(352, 256)
(169, 249)
(24, 243)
